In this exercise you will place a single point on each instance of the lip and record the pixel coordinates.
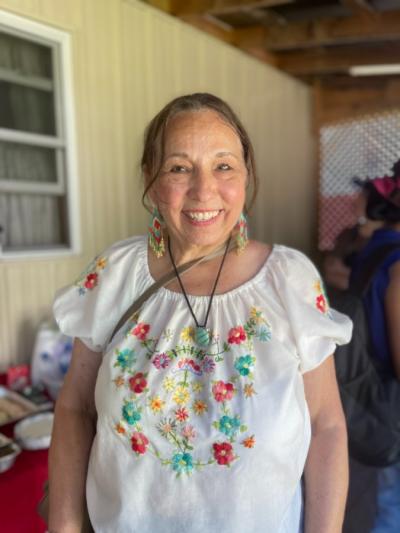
(201, 222)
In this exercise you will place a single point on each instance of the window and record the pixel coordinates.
(38, 193)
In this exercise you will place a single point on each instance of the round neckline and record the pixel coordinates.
(179, 295)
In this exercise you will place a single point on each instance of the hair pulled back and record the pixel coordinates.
(154, 138)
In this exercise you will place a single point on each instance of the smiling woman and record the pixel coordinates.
(216, 396)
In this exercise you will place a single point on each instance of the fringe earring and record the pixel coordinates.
(156, 239)
(241, 236)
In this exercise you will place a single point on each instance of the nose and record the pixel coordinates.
(203, 186)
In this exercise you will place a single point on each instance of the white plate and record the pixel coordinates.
(34, 432)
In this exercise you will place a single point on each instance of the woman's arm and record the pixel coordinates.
(392, 312)
(73, 432)
(326, 472)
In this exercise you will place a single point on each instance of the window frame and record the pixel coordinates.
(64, 140)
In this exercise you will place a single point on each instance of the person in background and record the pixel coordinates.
(382, 303)
(209, 404)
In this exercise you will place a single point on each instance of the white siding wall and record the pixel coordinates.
(128, 61)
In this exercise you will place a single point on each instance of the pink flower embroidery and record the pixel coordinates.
(321, 303)
(138, 383)
(223, 453)
(181, 414)
(91, 280)
(139, 442)
(236, 335)
(223, 391)
(140, 331)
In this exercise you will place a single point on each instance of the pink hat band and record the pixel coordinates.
(389, 188)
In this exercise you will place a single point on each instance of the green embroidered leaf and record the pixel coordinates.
(243, 428)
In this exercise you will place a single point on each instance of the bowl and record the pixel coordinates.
(34, 432)
(8, 454)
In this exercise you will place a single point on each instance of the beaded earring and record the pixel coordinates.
(241, 236)
(156, 239)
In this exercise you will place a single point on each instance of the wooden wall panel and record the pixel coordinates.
(128, 61)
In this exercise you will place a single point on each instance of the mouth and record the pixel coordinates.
(202, 217)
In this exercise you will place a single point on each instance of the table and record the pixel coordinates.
(21, 488)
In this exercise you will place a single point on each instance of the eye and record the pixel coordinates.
(224, 167)
(179, 169)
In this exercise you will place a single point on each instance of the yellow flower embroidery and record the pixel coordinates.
(169, 384)
(256, 315)
(119, 428)
(197, 386)
(101, 263)
(249, 390)
(181, 395)
(119, 381)
(156, 404)
(187, 334)
(200, 407)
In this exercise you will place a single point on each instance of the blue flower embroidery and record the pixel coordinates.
(229, 426)
(126, 358)
(264, 333)
(243, 365)
(182, 462)
(130, 413)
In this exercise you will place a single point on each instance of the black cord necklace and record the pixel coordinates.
(202, 334)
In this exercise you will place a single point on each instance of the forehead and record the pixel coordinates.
(204, 126)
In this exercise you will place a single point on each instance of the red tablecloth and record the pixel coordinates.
(21, 488)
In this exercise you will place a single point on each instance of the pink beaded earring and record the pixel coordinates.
(156, 239)
(241, 236)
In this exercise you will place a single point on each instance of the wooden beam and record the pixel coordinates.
(202, 23)
(198, 7)
(335, 59)
(360, 28)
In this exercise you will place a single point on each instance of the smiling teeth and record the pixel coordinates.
(207, 215)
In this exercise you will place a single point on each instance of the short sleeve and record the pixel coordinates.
(316, 328)
(90, 308)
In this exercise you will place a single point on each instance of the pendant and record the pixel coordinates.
(202, 336)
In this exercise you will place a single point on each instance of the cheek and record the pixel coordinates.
(170, 196)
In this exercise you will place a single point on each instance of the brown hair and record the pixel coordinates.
(153, 151)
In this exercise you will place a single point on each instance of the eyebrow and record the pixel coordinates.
(184, 154)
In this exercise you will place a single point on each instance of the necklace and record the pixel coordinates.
(202, 334)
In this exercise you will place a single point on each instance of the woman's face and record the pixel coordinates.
(201, 189)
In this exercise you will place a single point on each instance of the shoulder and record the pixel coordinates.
(292, 262)
(126, 247)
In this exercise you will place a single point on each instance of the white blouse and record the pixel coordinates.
(200, 439)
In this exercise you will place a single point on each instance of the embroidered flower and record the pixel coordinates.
(125, 358)
(101, 263)
(168, 334)
(244, 364)
(138, 383)
(182, 462)
(119, 381)
(119, 428)
(321, 303)
(139, 442)
(156, 404)
(223, 453)
(264, 333)
(223, 391)
(256, 315)
(181, 395)
(189, 432)
(249, 442)
(236, 335)
(161, 361)
(130, 413)
(249, 390)
(187, 334)
(91, 280)
(181, 414)
(208, 365)
(229, 425)
(197, 386)
(200, 407)
(140, 331)
(190, 366)
(166, 427)
(168, 384)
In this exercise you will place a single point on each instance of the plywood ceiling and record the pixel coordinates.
(314, 40)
